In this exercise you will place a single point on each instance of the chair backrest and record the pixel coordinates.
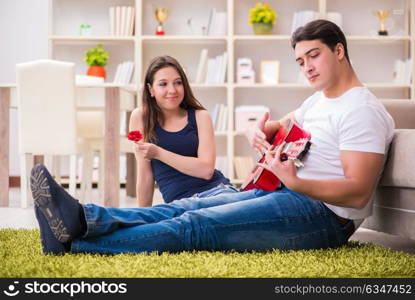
(402, 112)
(46, 107)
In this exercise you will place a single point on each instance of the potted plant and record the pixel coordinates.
(96, 58)
(262, 17)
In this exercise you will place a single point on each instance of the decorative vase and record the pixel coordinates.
(262, 28)
(97, 71)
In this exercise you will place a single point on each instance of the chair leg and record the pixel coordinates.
(101, 175)
(57, 168)
(26, 165)
(72, 175)
(86, 184)
(82, 179)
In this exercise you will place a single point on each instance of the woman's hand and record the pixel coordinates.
(147, 151)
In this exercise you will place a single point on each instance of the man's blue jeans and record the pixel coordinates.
(245, 221)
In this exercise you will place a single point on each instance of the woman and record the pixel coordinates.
(178, 151)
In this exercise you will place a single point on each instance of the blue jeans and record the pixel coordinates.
(245, 221)
(219, 189)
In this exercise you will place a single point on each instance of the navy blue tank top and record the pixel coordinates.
(172, 183)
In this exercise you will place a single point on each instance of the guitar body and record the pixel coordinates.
(298, 141)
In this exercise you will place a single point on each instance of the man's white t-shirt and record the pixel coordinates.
(355, 121)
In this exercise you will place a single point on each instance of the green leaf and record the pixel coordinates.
(97, 56)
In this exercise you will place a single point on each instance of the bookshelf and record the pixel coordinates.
(186, 43)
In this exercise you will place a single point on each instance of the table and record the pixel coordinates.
(111, 140)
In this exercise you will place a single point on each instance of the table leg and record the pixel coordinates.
(112, 148)
(4, 144)
(131, 180)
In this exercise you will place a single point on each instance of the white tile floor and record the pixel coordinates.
(16, 217)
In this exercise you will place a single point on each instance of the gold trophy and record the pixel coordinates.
(382, 16)
(161, 16)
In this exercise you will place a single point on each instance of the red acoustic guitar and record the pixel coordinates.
(296, 147)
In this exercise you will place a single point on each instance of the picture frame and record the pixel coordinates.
(270, 71)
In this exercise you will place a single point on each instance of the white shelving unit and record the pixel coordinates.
(372, 56)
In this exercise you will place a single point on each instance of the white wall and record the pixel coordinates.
(23, 35)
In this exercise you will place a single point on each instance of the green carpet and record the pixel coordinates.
(21, 256)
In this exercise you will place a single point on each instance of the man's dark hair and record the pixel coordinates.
(325, 31)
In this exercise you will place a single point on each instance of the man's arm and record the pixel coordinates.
(361, 170)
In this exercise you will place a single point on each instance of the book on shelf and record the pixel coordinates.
(216, 69)
(402, 73)
(224, 121)
(220, 117)
(112, 21)
(124, 72)
(210, 71)
(217, 23)
(121, 19)
(132, 21)
(209, 21)
(300, 18)
(129, 21)
(218, 65)
(297, 145)
(220, 125)
(201, 68)
(215, 115)
(117, 20)
(223, 66)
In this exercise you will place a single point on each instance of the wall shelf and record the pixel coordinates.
(372, 56)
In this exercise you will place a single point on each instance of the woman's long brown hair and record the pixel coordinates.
(151, 111)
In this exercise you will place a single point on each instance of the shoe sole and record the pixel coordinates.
(45, 249)
(43, 200)
(42, 239)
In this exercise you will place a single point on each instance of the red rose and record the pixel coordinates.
(135, 136)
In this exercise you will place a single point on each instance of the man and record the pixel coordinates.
(319, 206)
